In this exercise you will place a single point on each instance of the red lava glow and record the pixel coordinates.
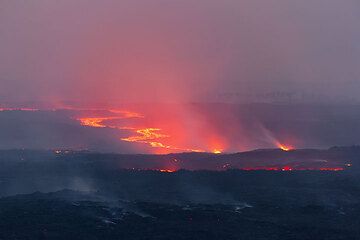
(165, 131)
(217, 151)
(276, 169)
(161, 129)
(166, 170)
(152, 137)
(216, 144)
(99, 122)
(146, 135)
(171, 132)
(164, 134)
(93, 122)
(285, 147)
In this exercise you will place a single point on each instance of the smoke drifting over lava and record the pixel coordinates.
(180, 119)
(133, 67)
(160, 129)
(164, 128)
(179, 51)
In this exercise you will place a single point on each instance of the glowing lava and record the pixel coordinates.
(285, 147)
(216, 151)
(151, 136)
(93, 122)
(166, 170)
(216, 143)
(99, 122)
(175, 133)
(146, 135)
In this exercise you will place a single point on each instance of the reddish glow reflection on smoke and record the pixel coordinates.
(163, 136)
(170, 128)
(285, 148)
(166, 128)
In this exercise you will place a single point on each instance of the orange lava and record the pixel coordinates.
(98, 122)
(166, 170)
(152, 137)
(146, 135)
(216, 143)
(216, 151)
(285, 147)
(93, 122)
(172, 133)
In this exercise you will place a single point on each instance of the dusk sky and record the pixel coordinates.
(176, 51)
(180, 119)
(137, 66)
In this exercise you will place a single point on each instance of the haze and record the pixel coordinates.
(178, 51)
(179, 76)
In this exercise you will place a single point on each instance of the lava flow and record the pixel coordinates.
(94, 122)
(166, 131)
(100, 122)
(151, 136)
(146, 135)
(166, 136)
(216, 151)
(285, 148)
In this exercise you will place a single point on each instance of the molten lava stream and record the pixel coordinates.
(152, 137)
(284, 147)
